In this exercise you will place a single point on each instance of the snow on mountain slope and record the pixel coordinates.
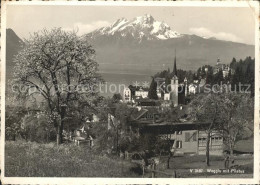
(139, 27)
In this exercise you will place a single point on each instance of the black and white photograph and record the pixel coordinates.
(136, 90)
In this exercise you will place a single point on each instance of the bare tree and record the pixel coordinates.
(58, 68)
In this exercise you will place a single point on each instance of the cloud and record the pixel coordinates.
(207, 33)
(87, 28)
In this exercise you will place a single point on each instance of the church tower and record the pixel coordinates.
(174, 84)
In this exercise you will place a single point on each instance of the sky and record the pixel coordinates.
(233, 24)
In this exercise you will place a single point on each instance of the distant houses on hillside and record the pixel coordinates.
(222, 67)
(185, 137)
(167, 115)
(176, 92)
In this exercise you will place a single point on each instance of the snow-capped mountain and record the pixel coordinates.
(117, 53)
(140, 27)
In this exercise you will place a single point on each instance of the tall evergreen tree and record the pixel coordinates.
(233, 64)
(152, 94)
(250, 79)
(210, 75)
(229, 77)
(236, 77)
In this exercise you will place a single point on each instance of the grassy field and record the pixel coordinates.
(184, 165)
(47, 160)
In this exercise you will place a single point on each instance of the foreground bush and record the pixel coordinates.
(29, 159)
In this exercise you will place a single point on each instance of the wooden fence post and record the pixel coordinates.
(143, 165)
(153, 170)
(174, 174)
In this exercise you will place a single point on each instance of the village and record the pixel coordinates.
(162, 119)
(186, 109)
(158, 127)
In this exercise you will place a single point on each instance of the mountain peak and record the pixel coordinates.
(140, 27)
(118, 21)
(145, 19)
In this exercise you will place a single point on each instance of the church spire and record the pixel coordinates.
(174, 67)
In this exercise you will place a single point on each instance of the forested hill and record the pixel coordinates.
(241, 71)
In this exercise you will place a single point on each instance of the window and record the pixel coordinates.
(187, 137)
(179, 144)
(202, 141)
(216, 139)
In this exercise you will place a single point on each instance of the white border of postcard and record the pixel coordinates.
(59, 180)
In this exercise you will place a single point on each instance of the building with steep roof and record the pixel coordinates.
(222, 67)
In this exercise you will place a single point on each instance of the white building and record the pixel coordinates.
(159, 94)
(223, 67)
(192, 89)
(127, 95)
(141, 93)
(166, 96)
(174, 90)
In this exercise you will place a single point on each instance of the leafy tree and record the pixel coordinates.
(201, 72)
(152, 94)
(117, 97)
(58, 68)
(35, 127)
(119, 133)
(209, 109)
(237, 77)
(239, 119)
(189, 76)
(147, 142)
(162, 74)
(195, 76)
(166, 144)
(123, 113)
(13, 121)
(229, 113)
(218, 78)
(106, 106)
(104, 138)
(170, 114)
